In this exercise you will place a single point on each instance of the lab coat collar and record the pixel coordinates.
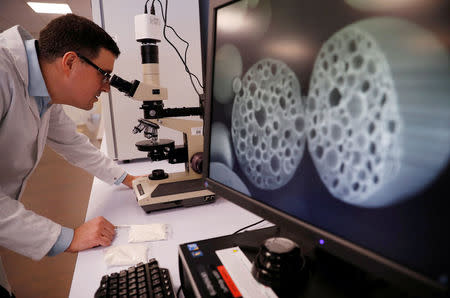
(14, 38)
(37, 84)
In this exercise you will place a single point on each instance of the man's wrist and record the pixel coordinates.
(121, 179)
(62, 243)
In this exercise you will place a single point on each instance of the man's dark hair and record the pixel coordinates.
(74, 33)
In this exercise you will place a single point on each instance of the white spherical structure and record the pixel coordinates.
(268, 124)
(376, 104)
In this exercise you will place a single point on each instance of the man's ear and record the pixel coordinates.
(68, 62)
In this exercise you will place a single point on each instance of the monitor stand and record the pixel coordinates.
(329, 276)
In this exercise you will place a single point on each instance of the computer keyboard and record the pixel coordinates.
(140, 281)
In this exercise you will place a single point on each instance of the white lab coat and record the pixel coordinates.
(23, 135)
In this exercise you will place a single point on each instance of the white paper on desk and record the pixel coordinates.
(239, 269)
(150, 232)
(122, 255)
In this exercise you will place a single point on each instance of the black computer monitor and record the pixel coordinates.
(332, 120)
(203, 10)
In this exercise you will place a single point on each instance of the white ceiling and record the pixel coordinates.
(17, 12)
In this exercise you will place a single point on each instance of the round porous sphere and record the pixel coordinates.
(268, 124)
(378, 111)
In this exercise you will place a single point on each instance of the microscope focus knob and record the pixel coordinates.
(197, 162)
(158, 174)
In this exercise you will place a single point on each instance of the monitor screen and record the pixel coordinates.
(336, 115)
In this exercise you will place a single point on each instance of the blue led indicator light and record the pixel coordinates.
(443, 279)
(321, 242)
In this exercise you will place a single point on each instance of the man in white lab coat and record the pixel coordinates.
(70, 64)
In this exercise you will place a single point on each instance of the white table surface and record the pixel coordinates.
(118, 205)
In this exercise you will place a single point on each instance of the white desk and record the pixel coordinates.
(118, 205)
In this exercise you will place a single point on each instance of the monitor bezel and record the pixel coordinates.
(302, 232)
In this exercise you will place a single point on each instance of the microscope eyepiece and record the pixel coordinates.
(129, 88)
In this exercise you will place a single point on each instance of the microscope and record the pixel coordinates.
(161, 190)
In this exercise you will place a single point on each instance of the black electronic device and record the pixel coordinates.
(201, 272)
(332, 120)
(280, 265)
(142, 280)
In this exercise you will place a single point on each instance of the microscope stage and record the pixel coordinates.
(148, 145)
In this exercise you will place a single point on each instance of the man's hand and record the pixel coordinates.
(128, 179)
(97, 231)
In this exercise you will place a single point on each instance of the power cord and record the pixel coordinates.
(184, 61)
(178, 292)
(249, 226)
(152, 9)
(179, 55)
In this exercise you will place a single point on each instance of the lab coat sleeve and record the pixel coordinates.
(24, 231)
(5, 88)
(77, 149)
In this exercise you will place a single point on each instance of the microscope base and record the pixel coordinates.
(178, 190)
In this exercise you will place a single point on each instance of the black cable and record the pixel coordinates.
(179, 55)
(164, 15)
(152, 8)
(249, 226)
(145, 6)
(185, 58)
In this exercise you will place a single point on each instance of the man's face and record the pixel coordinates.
(87, 82)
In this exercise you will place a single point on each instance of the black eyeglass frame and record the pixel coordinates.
(106, 75)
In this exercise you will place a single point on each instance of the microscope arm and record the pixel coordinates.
(192, 129)
(155, 110)
(180, 112)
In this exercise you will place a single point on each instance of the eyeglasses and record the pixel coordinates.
(106, 75)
